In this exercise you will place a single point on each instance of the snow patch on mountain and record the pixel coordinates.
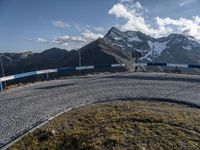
(116, 37)
(134, 39)
(154, 47)
(193, 39)
(151, 45)
(118, 45)
(147, 56)
(157, 47)
(129, 45)
(187, 47)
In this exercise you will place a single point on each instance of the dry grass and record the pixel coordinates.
(119, 125)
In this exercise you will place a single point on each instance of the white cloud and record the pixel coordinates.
(124, 1)
(182, 4)
(41, 40)
(138, 5)
(90, 36)
(130, 12)
(83, 28)
(60, 24)
(85, 37)
(187, 2)
(65, 44)
(99, 29)
(80, 27)
(61, 40)
(133, 20)
(190, 27)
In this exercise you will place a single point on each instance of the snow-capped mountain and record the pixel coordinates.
(175, 48)
(115, 47)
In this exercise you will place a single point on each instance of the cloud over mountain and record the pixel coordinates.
(41, 40)
(132, 13)
(85, 37)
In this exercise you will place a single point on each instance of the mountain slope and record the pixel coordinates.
(175, 48)
(112, 54)
(53, 58)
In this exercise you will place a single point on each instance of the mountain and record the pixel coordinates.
(115, 47)
(52, 58)
(112, 54)
(176, 48)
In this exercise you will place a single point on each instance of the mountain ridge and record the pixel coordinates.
(115, 47)
(163, 46)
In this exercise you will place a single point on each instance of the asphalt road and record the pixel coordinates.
(25, 107)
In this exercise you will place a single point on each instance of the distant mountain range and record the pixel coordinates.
(51, 58)
(115, 47)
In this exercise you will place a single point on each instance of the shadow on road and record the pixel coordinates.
(55, 86)
(157, 78)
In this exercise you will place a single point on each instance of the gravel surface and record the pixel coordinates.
(25, 107)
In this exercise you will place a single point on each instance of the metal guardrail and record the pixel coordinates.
(48, 71)
(27, 74)
(169, 65)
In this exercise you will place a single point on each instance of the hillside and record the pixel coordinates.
(52, 58)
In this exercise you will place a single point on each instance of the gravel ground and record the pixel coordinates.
(25, 107)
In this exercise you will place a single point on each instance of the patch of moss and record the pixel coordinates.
(119, 125)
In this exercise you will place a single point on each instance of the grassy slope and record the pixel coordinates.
(120, 125)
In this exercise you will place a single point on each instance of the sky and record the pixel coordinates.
(36, 25)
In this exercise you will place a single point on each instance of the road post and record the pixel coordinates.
(79, 60)
(136, 55)
(47, 76)
(1, 86)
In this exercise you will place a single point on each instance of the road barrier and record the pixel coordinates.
(48, 71)
(80, 68)
(168, 65)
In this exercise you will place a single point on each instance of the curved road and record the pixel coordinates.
(26, 107)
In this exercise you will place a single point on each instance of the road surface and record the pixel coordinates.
(25, 107)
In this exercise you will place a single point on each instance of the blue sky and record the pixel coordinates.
(40, 24)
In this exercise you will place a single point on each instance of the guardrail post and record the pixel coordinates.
(136, 62)
(1, 86)
(47, 76)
